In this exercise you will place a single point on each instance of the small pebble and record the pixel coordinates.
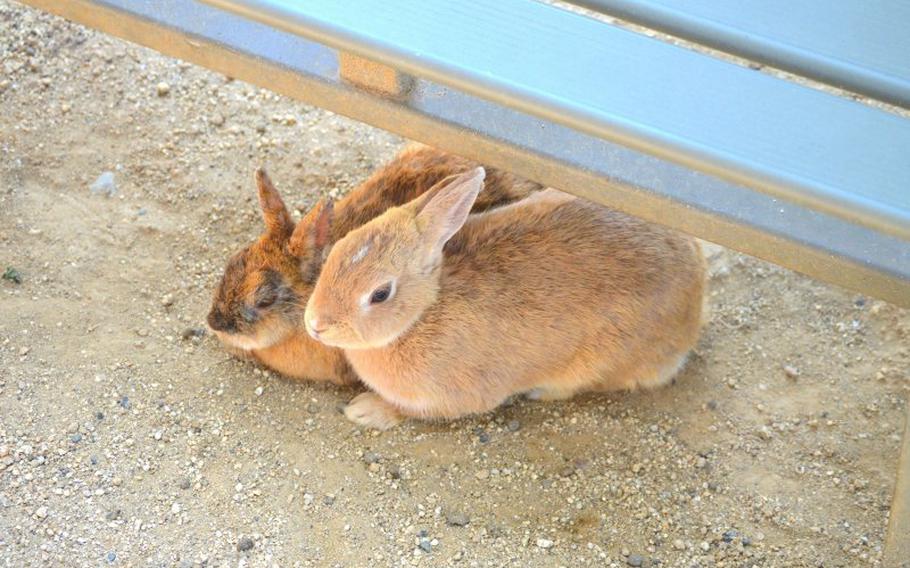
(544, 543)
(328, 499)
(678, 544)
(76, 438)
(41, 512)
(111, 557)
(513, 425)
(791, 371)
(635, 560)
(124, 402)
(162, 89)
(217, 119)
(482, 474)
(371, 457)
(191, 332)
(425, 545)
(259, 391)
(104, 185)
(245, 543)
(457, 519)
(483, 437)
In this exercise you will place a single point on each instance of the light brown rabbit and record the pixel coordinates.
(444, 315)
(258, 306)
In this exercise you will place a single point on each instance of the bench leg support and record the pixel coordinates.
(897, 543)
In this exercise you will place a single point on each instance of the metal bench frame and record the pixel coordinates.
(826, 227)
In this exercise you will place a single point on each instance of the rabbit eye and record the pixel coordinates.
(265, 302)
(381, 294)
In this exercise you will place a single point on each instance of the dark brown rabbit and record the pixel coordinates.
(258, 306)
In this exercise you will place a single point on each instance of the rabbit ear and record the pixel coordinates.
(277, 219)
(313, 232)
(442, 214)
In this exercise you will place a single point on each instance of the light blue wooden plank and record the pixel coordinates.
(859, 45)
(790, 141)
(820, 245)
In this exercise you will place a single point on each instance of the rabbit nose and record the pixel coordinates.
(218, 321)
(316, 326)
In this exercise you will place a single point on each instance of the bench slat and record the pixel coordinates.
(820, 245)
(859, 45)
(790, 141)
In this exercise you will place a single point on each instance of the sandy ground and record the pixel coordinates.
(125, 443)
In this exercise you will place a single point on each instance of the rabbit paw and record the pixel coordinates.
(371, 410)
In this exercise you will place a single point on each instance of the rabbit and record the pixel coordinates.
(258, 306)
(443, 315)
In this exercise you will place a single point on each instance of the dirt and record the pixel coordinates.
(129, 438)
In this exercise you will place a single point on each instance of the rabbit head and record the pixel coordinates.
(260, 299)
(379, 279)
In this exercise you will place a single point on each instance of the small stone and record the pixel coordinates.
(113, 515)
(513, 426)
(635, 560)
(425, 545)
(245, 543)
(728, 536)
(636, 468)
(217, 119)
(175, 508)
(23, 351)
(678, 544)
(185, 483)
(483, 437)
(76, 438)
(328, 499)
(312, 408)
(705, 546)
(167, 300)
(544, 543)
(104, 185)
(191, 332)
(259, 391)
(41, 512)
(371, 457)
(747, 541)
(111, 557)
(482, 474)
(457, 519)
(791, 371)
(701, 463)
(567, 471)
(124, 402)
(162, 89)
(764, 433)
(4, 451)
